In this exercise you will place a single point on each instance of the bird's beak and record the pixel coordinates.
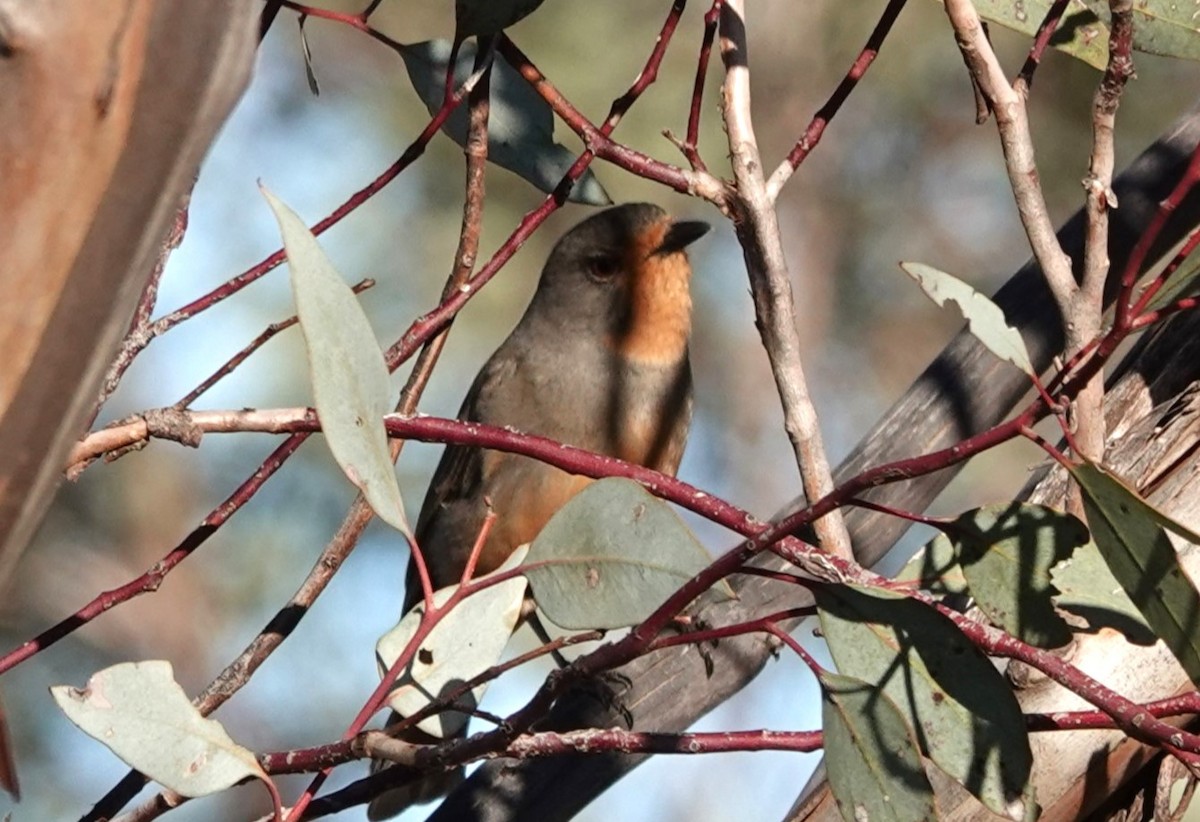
(682, 234)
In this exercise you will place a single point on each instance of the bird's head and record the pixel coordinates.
(623, 275)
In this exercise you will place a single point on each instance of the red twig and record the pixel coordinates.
(134, 345)
(241, 356)
(816, 128)
(597, 139)
(1154, 286)
(1041, 41)
(690, 144)
(1133, 266)
(149, 581)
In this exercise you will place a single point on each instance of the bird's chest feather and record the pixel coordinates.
(638, 414)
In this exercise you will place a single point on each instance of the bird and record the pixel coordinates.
(599, 361)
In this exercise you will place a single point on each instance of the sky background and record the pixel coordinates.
(902, 174)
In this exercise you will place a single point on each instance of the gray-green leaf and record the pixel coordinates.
(1006, 552)
(140, 712)
(1089, 591)
(610, 557)
(983, 316)
(1165, 27)
(874, 762)
(964, 714)
(465, 643)
(1132, 537)
(349, 377)
(520, 122)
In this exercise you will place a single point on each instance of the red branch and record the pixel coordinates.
(1041, 41)
(149, 581)
(812, 135)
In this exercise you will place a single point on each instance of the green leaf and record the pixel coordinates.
(1089, 591)
(964, 714)
(610, 557)
(935, 568)
(1006, 552)
(1165, 27)
(984, 317)
(874, 762)
(1132, 537)
(465, 643)
(520, 123)
(1080, 34)
(489, 16)
(140, 712)
(349, 377)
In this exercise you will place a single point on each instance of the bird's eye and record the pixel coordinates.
(603, 267)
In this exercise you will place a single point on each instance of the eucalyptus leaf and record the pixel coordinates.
(935, 568)
(1089, 591)
(1164, 27)
(465, 643)
(1132, 537)
(349, 377)
(520, 122)
(610, 557)
(984, 317)
(964, 714)
(1006, 552)
(142, 715)
(874, 763)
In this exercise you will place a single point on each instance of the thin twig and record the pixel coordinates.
(1041, 41)
(757, 227)
(812, 135)
(1087, 305)
(139, 326)
(1016, 142)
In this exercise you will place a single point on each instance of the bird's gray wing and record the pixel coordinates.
(454, 506)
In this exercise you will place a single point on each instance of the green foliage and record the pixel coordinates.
(349, 377)
(985, 318)
(142, 715)
(1132, 537)
(964, 714)
(610, 557)
(489, 16)
(875, 768)
(520, 122)
(1164, 27)
(1003, 555)
(465, 643)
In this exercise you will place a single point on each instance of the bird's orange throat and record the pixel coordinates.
(660, 302)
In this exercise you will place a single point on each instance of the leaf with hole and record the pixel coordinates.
(140, 712)
(1132, 537)
(464, 644)
(474, 17)
(1006, 552)
(520, 122)
(611, 556)
(984, 318)
(874, 763)
(964, 714)
(349, 377)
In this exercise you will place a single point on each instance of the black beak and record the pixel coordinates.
(682, 234)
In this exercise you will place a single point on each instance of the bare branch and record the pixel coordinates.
(757, 229)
